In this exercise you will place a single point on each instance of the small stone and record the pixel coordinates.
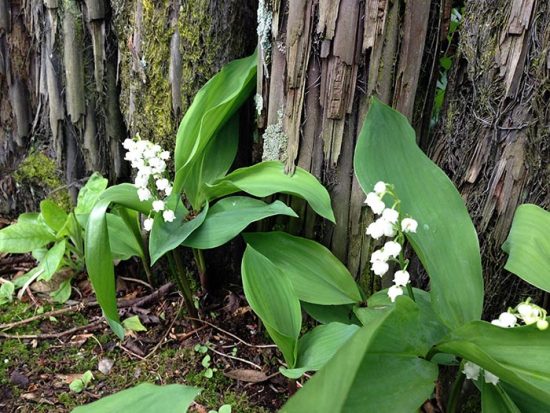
(19, 379)
(105, 365)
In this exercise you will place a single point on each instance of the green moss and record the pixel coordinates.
(38, 170)
(152, 115)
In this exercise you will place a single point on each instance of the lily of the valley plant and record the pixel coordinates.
(382, 353)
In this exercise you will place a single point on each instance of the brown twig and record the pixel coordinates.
(79, 307)
(235, 358)
(233, 335)
(52, 335)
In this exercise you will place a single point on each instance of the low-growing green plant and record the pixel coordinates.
(195, 210)
(381, 353)
(82, 382)
(56, 240)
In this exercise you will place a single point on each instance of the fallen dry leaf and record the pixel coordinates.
(247, 375)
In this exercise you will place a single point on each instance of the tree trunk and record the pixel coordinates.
(322, 60)
(319, 64)
(493, 140)
(78, 77)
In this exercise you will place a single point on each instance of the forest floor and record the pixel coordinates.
(39, 358)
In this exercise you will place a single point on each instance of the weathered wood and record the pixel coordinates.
(513, 44)
(73, 62)
(97, 31)
(415, 28)
(95, 9)
(176, 68)
(5, 17)
(493, 139)
(19, 98)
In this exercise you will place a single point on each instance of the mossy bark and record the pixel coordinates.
(493, 140)
(78, 77)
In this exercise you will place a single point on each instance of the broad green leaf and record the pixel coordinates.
(122, 241)
(214, 161)
(52, 260)
(212, 107)
(518, 356)
(433, 329)
(63, 293)
(30, 218)
(269, 292)
(133, 324)
(229, 217)
(89, 193)
(145, 398)
(331, 313)
(317, 276)
(377, 370)
(525, 402)
(25, 236)
(446, 240)
(165, 236)
(319, 345)
(495, 400)
(99, 260)
(268, 178)
(53, 215)
(528, 246)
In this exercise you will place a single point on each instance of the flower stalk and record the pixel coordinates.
(180, 277)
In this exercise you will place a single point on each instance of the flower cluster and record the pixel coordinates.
(389, 224)
(150, 161)
(472, 371)
(525, 311)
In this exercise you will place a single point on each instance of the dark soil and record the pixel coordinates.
(36, 372)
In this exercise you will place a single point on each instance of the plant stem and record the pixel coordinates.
(201, 266)
(180, 276)
(410, 291)
(147, 270)
(455, 393)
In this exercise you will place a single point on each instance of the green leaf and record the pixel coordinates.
(270, 294)
(229, 217)
(6, 292)
(317, 276)
(494, 399)
(525, 402)
(133, 324)
(528, 246)
(433, 329)
(518, 356)
(377, 370)
(52, 260)
(53, 215)
(145, 398)
(99, 260)
(226, 408)
(319, 345)
(122, 241)
(214, 162)
(446, 240)
(25, 236)
(77, 385)
(89, 193)
(213, 105)
(63, 293)
(331, 313)
(165, 236)
(268, 178)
